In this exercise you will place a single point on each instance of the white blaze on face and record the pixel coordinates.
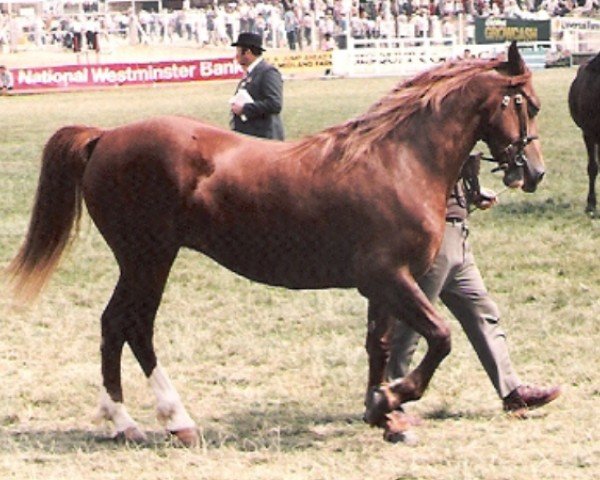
(114, 412)
(169, 407)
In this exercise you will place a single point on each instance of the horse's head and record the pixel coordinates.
(511, 131)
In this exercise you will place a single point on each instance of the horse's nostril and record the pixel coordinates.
(538, 176)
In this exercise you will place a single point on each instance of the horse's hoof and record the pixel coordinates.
(397, 428)
(130, 434)
(408, 437)
(187, 436)
(377, 406)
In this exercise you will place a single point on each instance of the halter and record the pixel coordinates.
(514, 152)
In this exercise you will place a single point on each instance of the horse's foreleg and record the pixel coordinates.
(379, 330)
(404, 299)
(592, 170)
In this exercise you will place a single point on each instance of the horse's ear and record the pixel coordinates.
(516, 65)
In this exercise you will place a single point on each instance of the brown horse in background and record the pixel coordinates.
(584, 105)
(359, 205)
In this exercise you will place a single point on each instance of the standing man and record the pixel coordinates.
(258, 100)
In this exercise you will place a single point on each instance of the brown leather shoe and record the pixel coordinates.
(526, 397)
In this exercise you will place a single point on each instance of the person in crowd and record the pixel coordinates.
(456, 280)
(328, 43)
(304, 22)
(258, 100)
(291, 28)
(6, 80)
(308, 26)
(92, 29)
(77, 30)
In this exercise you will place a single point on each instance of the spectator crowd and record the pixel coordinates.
(292, 24)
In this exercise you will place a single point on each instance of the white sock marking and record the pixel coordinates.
(114, 412)
(169, 406)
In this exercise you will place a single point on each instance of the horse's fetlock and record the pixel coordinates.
(405, 390)
(377, 406)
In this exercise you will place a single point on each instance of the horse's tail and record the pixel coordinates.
(56, 210)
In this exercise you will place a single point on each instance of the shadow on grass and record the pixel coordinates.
(284, 427)
(69, 441)
(281, 429)
(445, 413)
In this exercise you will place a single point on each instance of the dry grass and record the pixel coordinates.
(275, 379)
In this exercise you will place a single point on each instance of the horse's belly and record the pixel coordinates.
(293, 259)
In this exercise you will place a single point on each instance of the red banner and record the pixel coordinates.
(69, 77)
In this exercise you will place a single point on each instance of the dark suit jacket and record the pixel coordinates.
(265, 86)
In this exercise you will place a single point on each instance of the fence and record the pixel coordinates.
(408, 56)
(390, 56)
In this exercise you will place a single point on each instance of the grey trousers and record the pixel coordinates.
(456, 280)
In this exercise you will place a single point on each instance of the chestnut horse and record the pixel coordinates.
(358, 205)
(584, 105)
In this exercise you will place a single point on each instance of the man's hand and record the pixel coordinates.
(486, 199)
(237, 108)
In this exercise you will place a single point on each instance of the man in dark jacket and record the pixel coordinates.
(258, 99)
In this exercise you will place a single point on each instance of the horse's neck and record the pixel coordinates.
(450, 137)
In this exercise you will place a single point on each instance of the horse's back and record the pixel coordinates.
(168, 147)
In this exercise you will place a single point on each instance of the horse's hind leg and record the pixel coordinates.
(592, 170)
(112, 407)
(129, 318)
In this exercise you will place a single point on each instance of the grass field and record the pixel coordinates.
(275, 379)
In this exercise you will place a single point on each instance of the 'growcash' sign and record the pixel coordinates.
(499, 30)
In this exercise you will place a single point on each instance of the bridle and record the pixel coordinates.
(513, 155)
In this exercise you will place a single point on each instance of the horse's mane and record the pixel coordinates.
(353, 138)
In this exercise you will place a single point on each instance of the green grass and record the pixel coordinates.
(275, 379)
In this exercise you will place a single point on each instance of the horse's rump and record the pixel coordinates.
(584, 106)
(584, 98)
